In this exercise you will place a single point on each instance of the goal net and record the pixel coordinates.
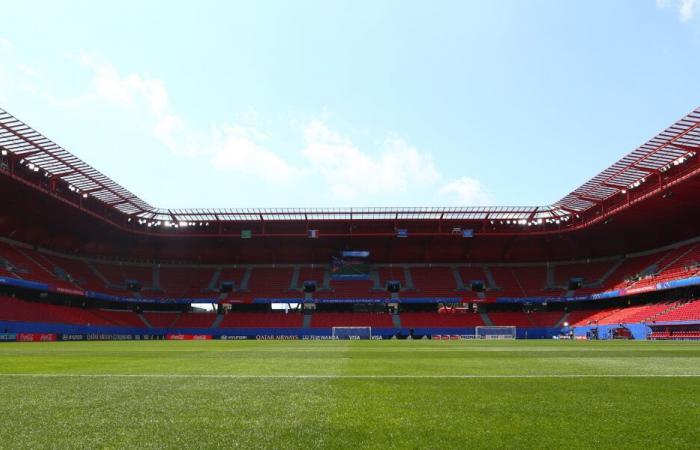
(495, 332)
(352, 332)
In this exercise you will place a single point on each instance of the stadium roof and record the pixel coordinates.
(671, 147)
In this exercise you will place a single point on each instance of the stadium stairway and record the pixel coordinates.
(214, 282)
(246, 278)
(458, 279)
(607, 274)
(678, 258)
(144, 320)
(490, 279)
(486, 319)
(218, 320)
(561, 321)
(307, 321)
(396, 320)
(294, 283)
(98, 274)
(376, 281)
(326, 285)
(409, 279)
(156, 279)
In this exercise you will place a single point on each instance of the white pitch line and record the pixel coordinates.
(350, 377)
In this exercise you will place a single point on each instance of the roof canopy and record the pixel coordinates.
(671, 147)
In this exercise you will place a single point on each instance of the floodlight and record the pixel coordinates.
(4, 153)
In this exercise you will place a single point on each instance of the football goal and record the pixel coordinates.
(495, 332)
(352, 332)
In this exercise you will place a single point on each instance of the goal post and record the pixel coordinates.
(496, 332)
(352, 332)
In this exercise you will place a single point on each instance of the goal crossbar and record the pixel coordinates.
(352, 332)
(496, 332)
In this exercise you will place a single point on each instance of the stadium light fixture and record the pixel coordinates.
(4, 153)
(85, 196)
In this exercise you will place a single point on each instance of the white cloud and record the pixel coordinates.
(6, 44)
(350, 172)
(228, 148)
(391, 169)
(236, 150)
(686, 8)
(140, 94)
(469, 192)
(28, 70)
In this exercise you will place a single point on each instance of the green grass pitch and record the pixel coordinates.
(350, 394)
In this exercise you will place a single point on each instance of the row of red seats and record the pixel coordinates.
(276, 282)
(17, 310)
(20, 311)
(673, 335)
(686, 312)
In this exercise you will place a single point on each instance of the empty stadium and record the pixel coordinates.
(591, 264)
(127, 323)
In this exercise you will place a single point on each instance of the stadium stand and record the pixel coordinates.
(161, 319)
(433, 282)
(90, 236)
(436, 320)
(262, 320)
(195, 320)
(591, 272)
(392, 273)
(683, 313)
(185, 281)
(329, 320)
(271, 282)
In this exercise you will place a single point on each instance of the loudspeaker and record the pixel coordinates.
(226, 286)
(309, 286)
(477, 286)
(575, 283)
(393, 286)
(133, 285)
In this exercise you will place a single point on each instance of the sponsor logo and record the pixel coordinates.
(188, 337)
(36, 337)
(72, 337)
(272, 337)
(8, 337)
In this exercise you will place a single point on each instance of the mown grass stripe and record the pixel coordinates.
(359, 377)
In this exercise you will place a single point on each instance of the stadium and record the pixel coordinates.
(307, 311)
(96, 260)
(84, 259)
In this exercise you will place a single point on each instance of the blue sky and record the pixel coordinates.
(350, 103)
